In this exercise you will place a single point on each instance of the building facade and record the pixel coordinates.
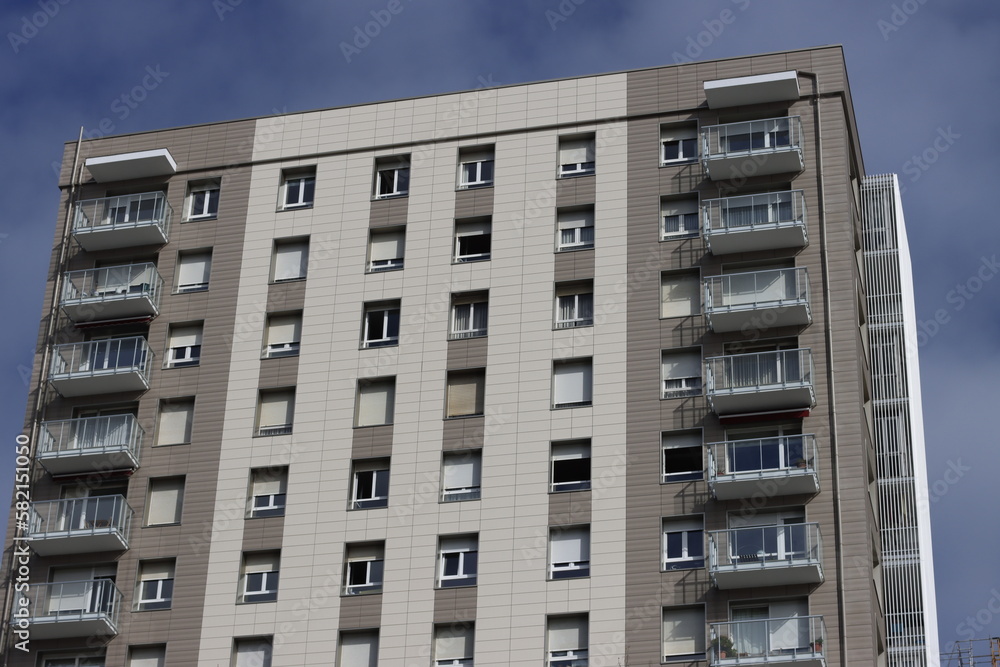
(566, 373)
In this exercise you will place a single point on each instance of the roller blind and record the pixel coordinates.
(185, 336)
(194, 268)
(460, 543)
(453, 643)
(373, 551)
(681, 365)
(681, 295)
(673, 441)
(473, 227)
(359, 649)
(683, 631)
(571, 450)
(261, 561)
(387, 245)
(270, 481)
(375, 402)
(276, 408)
(165, 499)
(570, 545)
(157, 569)
(678, 132)
(147, 656)
(290, 260)
(574, 219)
(283, 329)
(567, 633)
(476, 155)
(253, 653)
(462, 471)
(678, 206)
(174, 425)
(466, 393)
(573, 383)
(573, 151)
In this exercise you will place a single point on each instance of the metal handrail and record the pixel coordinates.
(101, 357)
(123, 212)
(766, 641)
(747, 212)
(68, 601)
(754, 137)
(72, 437)
(753, 456)
(112, 283)
(757, 370)
(70, 517)
(760, 547)
(756, 289)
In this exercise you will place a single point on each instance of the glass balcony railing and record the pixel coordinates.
(755, 222)
(775, 466)
(111, 442)
(767, 641)
(758, 299)
(760, 381)
(757, 556)
(123, 221)
(101, 366)
(80, 525)
(111, 293)
(73, 609)
(752, 148)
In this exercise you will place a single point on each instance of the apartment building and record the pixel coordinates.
(567, 373)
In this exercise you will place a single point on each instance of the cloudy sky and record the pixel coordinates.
(924, 76)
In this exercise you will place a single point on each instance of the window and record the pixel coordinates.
(392, 176)
(680, 218)
(569, 552)
(466, 391)
(461, 475)
(683, 634)
(680, 295)
(299, 187)
(376, 399)
(454, 644)
(473, 239)
(381, 326)
(156, 585)
(260, 576)
(184, 345)
(385, 249)
(459, 558)
(576, 156)
(575, 229)
(358, 649)
(363, 566)
(283, 335)
(475, 167)
(571, 466)
(275, 409)
(679, 143)
(682, 456)
(268, 489)
(370, 484)
(164, 499)
(203, 200)
(193, 269)
(566, 640)
(681, 373)
(683, 543)
(290, 260)
(574, 304)
(572, 383)
(252, 652)
(146, 656)
(469, 315)
(173, 425)
(75, 661)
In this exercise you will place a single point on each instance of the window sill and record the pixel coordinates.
(395, 195)
(190, 291)
(280, 356)
(586, 489)
(202, 218)
(298, 207)
(161, 525)
(575, 175)
(358, 594)
(369, 271)
(679, 237)
(257, 601)
(469, 260)
(473, 186)
(573, 249)
(679, 566)
(676, 163)
(283, 281)
(179, 366)
(692, 394)
(371, 425)
(569, 406)
(684, 477)
(456, 417)
(140, 610)
(448, 587)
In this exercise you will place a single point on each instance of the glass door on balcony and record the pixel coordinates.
(749, 638)
(92, 432)
(86, 508)
(132, 208)
(79, 590)
(760, 209)
(760, 449)
(767, 536)
(748, 368)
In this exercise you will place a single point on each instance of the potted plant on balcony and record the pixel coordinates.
(818, 645)
(722, 646)
(800, 463)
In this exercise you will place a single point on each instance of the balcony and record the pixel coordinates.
(122, 222)
(79, 525)
(112, 293)
(752, 148)
(749, 223)
(87, 444)
(756, 556)
(780, 466)
(760, 382)
(100, 366)
(770, 641)
(73, 609)
(758, 300)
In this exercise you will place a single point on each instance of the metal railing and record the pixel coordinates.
(754, 137)
(112, 282)
(70, 601)
(750, 458)
(773, 288)
(123, 212)
(766, 641)
(748, 212)
(759, 370)
(86, 435)
(101, 357)
(73, 517)
(760, 547)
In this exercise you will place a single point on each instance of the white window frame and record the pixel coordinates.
(275, 429)
(268, 589)
(281, 246)
(181, 356)
(467, 492)
(688, 221)
(685, 137)
(681, 440)
(366, 390)
(377, 474)
(580, 168)
(587, 390)
(577, 231)
(462, 577)
(474, 308)
(695, 618)
(475, 161)
(384, 339)
(476, 230)
(162, 598)
(687, 384)
(569, 569)
(562, 655)
(573, 452)
(282, 349)
(398, 169)
(298, 182)
(692, 532)
(370, 585)
(210, 204)
(576, 320)
(276, 502)
(386, 264)
(189, 257)
(446, 636)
